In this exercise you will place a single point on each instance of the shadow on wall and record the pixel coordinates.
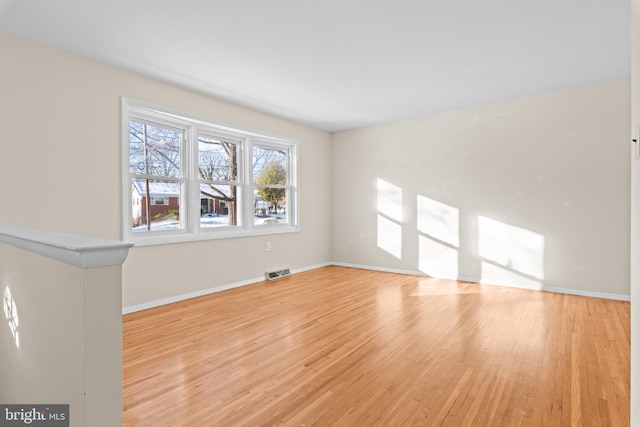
(496, 252)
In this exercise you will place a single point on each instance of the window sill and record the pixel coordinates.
(169, 237)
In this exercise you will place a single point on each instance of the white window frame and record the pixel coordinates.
(189, 202)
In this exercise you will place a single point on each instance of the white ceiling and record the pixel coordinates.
(340, 64)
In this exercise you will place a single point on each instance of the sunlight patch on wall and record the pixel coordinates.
(497, 275)
(510, 255)
(11, 313)
(436, 259)
(439, 238)
(389, 207)
(438, 220)
(389, 201)
(390, 236)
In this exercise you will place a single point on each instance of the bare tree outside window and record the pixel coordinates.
(218, 170)
(154, 153)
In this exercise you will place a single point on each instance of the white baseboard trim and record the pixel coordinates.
(182, 297)
(569, 291)
(220, 288)
(584, 293)
(383, 269)
(311, 267)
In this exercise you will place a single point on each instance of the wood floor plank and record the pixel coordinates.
(340, 346)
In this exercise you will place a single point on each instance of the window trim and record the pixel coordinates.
(194, 125)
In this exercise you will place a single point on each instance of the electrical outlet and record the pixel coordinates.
(268, 246)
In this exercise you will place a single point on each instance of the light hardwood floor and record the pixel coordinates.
(346, 347)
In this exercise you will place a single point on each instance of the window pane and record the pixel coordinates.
(163, 205)
(270, 206)
(218, 205)
(269, 166)
(153, 149)
(217, 159)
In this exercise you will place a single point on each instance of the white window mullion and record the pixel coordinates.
(294, 191)
(247, 185)
(192, 181)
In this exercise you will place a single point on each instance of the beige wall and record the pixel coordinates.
(635, 210)
(550, 172)
(48, 296)
(532, 193)
(65, 346)
(60, 170)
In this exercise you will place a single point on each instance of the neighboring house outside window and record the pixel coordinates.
(189, 178)
(160, 200)
(164, 202)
